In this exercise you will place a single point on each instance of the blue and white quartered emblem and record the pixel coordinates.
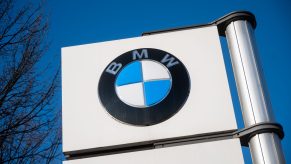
(143, 83)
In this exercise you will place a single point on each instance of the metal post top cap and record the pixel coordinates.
(224, 21)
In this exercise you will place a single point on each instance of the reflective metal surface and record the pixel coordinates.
(255, 104)
(216, 152)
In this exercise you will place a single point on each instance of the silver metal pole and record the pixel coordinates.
(255, 105)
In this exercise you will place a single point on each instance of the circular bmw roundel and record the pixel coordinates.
(144, 86)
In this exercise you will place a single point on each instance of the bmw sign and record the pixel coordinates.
(144, 90)
(144, 86)
(167, 91)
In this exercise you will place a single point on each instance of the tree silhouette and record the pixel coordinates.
(29, 121)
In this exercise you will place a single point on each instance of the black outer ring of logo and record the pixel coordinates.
(155, 114)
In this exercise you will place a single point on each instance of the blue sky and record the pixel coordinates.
(88, 21)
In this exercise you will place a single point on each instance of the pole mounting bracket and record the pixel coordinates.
(246, 134)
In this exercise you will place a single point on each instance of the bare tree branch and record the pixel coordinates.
(29, 120)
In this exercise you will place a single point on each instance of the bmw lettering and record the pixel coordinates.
(144, 86)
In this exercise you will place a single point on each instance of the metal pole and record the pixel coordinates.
(255, 105)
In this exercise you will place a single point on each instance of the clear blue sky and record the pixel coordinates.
(88, 21)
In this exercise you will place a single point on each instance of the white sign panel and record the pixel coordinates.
(224, 152)
(143, 89)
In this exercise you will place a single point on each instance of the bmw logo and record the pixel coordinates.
(144, 87)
